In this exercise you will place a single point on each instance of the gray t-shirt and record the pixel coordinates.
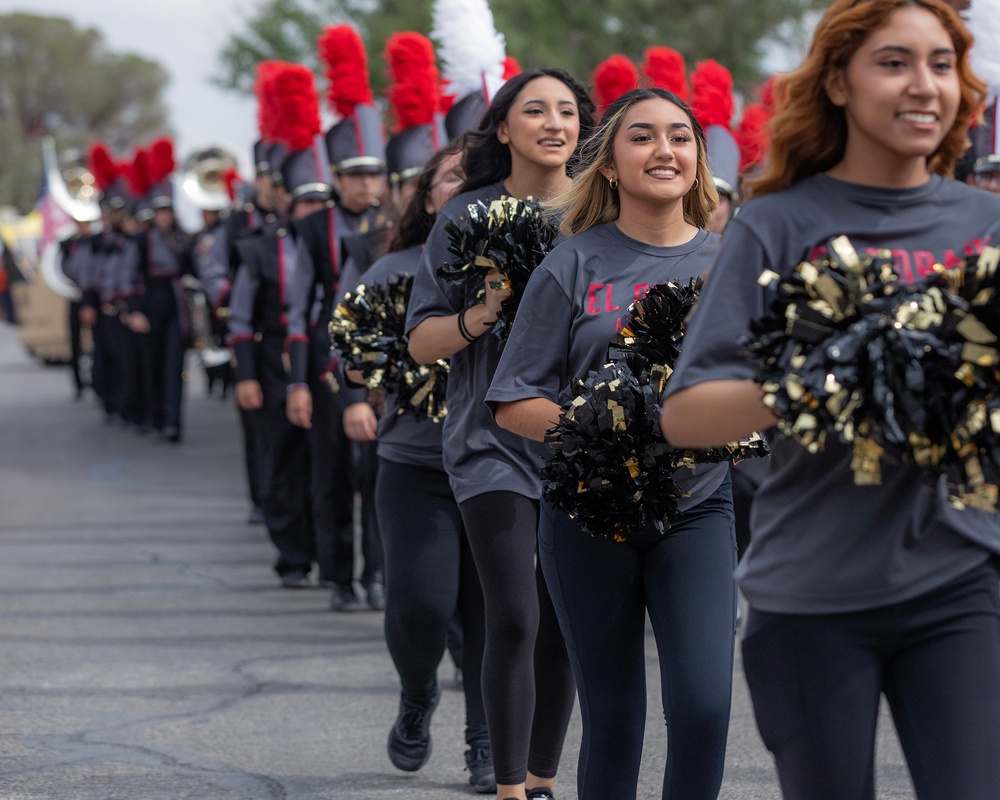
(401, 436)
(479, 456)
(819, 543)
(572, 308)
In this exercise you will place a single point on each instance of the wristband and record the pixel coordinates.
(464, 331)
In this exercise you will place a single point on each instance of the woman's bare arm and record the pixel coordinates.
(714, 413)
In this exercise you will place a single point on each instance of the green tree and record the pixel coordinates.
(60, 80)
(566, 33)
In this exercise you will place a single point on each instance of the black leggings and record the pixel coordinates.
(816, 679)
(603, 591)
(429, 575)
(528, 685)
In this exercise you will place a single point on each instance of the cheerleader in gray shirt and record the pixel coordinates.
(634, 213)
(857, 591)
(527, 136)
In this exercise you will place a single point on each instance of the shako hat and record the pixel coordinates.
(356, 142)
(304, 171)
(415, 101)
(712, 105)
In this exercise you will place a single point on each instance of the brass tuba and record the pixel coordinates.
(203, 178)
(203, 183)
(71, 187)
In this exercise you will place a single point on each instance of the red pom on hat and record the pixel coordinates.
(296, 104)
(752, 136)
(343, 53)
(768, 98)
(139, 174)
(268, 115)
(510, 68)
(415, 94)
(102, 165)
(161, 155)
(664, 68)
(614, 76)
(712, 94)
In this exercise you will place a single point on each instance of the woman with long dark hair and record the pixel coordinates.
(527, 137)
(857, 591)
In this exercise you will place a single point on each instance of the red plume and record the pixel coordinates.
(102, 165)
(162, 162)
(510, 68)
(139, 173)
(415, 94)
(665, 68)
(231, 179)
(767, 96)
(267, 116)
(343, 53)
(712, 94)
(752, 136)
(612, 78)
(297, 106)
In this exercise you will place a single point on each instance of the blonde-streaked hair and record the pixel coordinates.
(590, 200)
(809, 133)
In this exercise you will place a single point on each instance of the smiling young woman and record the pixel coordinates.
(528, 135)
(857, 591)
(900, 94)
(635, 212)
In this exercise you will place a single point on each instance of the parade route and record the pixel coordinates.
(148, 653)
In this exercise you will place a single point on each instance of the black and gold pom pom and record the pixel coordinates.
(907, 372)
(510, 235)
(368, 330)
(609, 466)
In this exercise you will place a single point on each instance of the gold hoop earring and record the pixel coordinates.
(613, 183)
(695, 184)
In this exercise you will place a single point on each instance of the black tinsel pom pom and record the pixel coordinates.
(653, 327)
(368, 331)
(651, 334)
(908, 371)
(610, 467)
(510, 235)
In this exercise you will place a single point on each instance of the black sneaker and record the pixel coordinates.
(343, 598)
(410, 738)
(479, 762)
(540, 793)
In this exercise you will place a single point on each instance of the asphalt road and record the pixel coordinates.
(147, 653)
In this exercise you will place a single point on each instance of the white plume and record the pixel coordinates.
(472, 51)
(983, 20)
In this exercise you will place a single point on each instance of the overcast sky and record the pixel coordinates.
(184, 37)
